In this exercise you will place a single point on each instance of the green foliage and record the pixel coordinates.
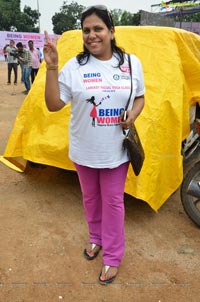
(30, 19)
(192, 18)
(126, 18)
(12, 19)
(123, 17)
(69, 17)
(116, 15)
(9, 12)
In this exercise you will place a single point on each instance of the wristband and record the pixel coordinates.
(51, 66)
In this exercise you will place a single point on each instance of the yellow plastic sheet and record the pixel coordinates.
(171, 64)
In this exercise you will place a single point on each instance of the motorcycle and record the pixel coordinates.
(190, 187)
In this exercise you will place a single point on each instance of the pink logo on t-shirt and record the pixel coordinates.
(125, 68)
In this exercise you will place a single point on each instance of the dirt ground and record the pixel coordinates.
(43, 233)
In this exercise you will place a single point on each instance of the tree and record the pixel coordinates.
(130, 19)
(116, 15)
(136, 18)
(12, 19)
(124, 18)
(192, 18)
(9, 13)
(68, 18)
(29, 20)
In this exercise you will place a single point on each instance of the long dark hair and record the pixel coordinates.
(103, 13)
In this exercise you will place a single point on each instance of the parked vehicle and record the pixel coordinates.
(190, 187)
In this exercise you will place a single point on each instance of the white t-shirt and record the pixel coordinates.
(98, 92)
(11, 59)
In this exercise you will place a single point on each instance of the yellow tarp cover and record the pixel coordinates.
(171, 64)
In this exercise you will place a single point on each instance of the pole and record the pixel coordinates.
(38, 10)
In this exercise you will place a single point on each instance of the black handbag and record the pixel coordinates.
(132, 142)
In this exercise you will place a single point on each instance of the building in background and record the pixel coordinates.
(171, 14)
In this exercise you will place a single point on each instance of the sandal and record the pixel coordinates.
(109, 280)
(91, 254)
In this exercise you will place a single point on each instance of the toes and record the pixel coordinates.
(108, 272)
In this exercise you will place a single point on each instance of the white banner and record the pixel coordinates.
(23, 37)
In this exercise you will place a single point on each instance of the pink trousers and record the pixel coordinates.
(103, 200)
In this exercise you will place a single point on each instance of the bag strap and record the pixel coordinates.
(126, 107)
(130, 68)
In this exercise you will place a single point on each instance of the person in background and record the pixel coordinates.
(5, 52)
(12, 61)
(40, 53)
(95, 146)
(24, 57)
(22, 71)
(35, 60)
(21, 64)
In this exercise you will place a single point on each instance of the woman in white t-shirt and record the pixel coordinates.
(97, 82)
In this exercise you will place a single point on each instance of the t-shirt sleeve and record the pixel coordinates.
(138, 70)
(64, 80)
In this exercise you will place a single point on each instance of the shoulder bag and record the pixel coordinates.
(132, 141)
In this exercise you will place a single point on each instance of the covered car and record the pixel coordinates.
(171, 65)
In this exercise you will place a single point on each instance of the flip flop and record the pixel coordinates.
(107, 281)
(87, 255)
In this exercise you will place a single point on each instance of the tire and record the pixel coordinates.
(189, 162)
(191, 199)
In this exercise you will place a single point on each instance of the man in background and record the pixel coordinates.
(35, 60)
(12, 61)
(5, 53)
(24, 57)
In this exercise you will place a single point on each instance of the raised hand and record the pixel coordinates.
(49, 50)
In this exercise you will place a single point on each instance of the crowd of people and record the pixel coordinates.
(28, 59)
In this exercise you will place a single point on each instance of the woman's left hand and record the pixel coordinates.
(131, 115)
(127, 119)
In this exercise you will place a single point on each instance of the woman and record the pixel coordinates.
(99, 73)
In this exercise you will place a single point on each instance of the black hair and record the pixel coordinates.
(106, 17)
(19, 44)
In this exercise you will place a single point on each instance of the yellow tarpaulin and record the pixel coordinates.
(171, 64)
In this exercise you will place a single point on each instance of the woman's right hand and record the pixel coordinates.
(49, 50)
